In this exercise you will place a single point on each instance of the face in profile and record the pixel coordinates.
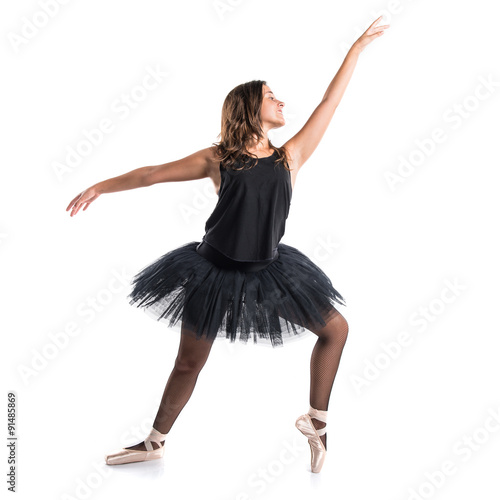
(271, 110)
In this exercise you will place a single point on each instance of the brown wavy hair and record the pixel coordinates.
(240, 123)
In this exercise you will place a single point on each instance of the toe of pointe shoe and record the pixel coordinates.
(125, 456)
(317, 459)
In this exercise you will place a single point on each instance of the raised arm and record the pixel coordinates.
(192, 167)
(302, 145)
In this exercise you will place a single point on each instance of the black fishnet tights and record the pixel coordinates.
(325, 359)
(190, 360)
(193, 354)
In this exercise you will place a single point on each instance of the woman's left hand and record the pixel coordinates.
(370, 34)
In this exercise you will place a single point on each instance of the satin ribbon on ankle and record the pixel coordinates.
(156, 437)
(320, 415)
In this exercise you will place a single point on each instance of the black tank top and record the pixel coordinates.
(249, 218)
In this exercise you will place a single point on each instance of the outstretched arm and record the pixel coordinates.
(302, 145)
(192, 167)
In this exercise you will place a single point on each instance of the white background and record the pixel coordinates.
(392, 253)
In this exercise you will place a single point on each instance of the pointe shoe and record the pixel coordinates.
(305, 425)
(125, 456)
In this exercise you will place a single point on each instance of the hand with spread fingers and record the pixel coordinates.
(370, 34)
(84, 198)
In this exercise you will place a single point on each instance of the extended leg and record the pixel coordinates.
(190, 360)
(325, 359)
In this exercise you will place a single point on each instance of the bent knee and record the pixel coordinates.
(338, 327)
(189, 364)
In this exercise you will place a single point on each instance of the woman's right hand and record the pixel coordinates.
(84, 198)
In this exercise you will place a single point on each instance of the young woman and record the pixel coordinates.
(240, 281)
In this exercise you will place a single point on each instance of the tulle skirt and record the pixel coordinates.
(288, 298)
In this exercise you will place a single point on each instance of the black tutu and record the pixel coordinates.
(282, 301)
